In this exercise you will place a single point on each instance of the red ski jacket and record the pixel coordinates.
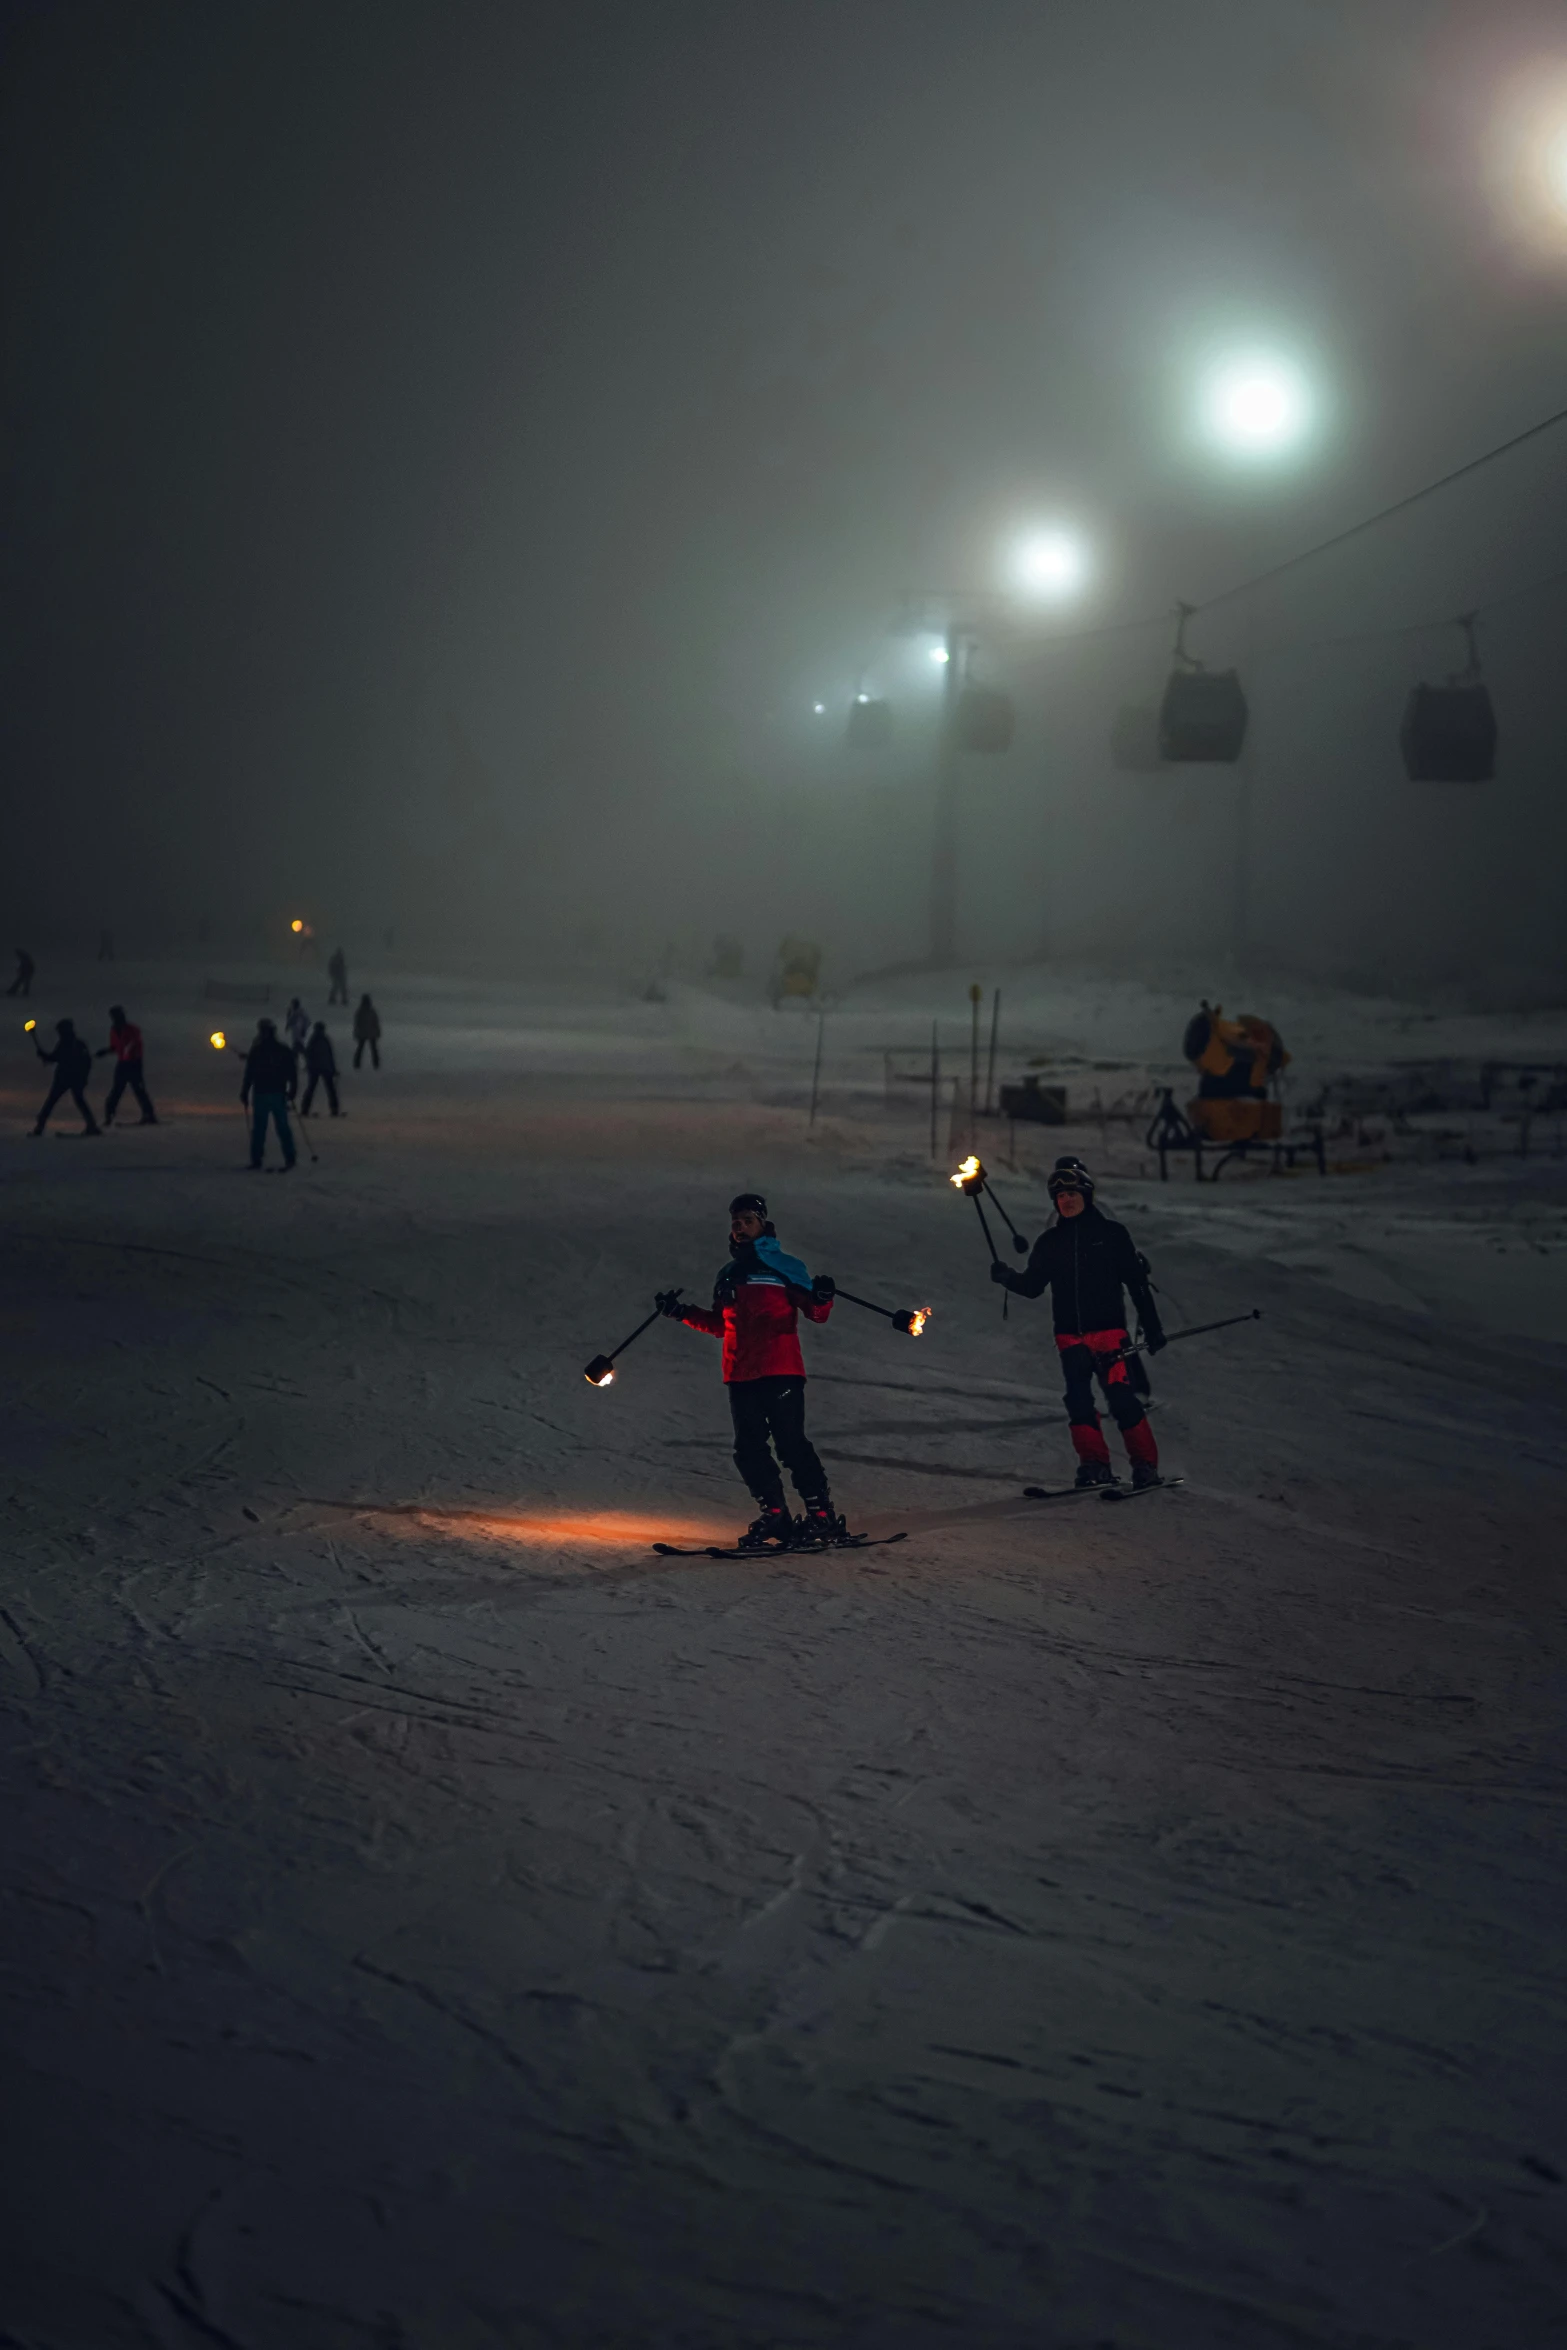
(125, 1042)
(757, 1317)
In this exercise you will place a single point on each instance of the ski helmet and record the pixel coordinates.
(1069, 1174)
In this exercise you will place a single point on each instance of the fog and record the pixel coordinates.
(451, 450)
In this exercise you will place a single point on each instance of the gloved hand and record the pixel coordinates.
(1000, 1272)
(667, 1303)
(1156, 1342)
(824, 1286)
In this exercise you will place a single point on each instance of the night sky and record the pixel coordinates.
(434, 427)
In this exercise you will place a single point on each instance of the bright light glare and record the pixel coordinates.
(1256, 406)
(820, 708)
(940, 655)
(862, 697)
(217, 1040)
(296, 925)
(1556, 168)
(1050, 563)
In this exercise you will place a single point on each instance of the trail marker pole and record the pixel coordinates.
(935, 1084)
(976, 996)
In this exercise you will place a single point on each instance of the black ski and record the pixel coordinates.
(1136, 1492)
(780, 1550)
(848, 1542)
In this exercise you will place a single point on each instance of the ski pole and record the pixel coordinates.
(911, 1320)
(601, 1371)
(304, 1137)
(1201, 1329)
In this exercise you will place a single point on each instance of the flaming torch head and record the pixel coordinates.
(600, 1372)
(217, 1040)
(912, 1321)
(28, 1026)
(970, 1177)
(296, 926)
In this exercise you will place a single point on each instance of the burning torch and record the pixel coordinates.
(601, 1371)
(28, 1026)
(972, 1179)
(911, 1320)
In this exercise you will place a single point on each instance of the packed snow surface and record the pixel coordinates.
(434, 1921)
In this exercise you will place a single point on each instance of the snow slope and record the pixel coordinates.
(432, 1920)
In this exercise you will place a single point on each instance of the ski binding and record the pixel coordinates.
(1136, 1492)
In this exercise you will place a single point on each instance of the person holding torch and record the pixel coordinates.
(1090, 1264)
(757, 1301)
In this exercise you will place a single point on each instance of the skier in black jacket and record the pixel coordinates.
(321, 1065)
(72, 1058)
(1086, 1262)
(267, 1088)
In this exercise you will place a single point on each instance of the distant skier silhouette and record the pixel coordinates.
(126, 1046)
(22, 984)
(367, 1031)
(271, 1075)
(337, 972)
(296, 1023)
(72, 1058)
(321, 1062)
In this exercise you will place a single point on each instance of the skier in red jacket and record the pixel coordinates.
(757, 1301)
(126, 1046)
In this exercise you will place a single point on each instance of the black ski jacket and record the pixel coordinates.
(270, 1067)
(72, 1056)
(320, 1059)
(1085, 1262)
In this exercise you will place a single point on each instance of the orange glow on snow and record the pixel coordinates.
(598, 1529)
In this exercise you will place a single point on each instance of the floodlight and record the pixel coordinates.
(1050, 563)
(1256, 405)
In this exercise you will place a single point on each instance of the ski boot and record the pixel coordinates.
(1093, 1473)
(819, 1526)
(773, 1530)
(1144, 1473)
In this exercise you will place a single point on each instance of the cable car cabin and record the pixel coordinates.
(985, 719)
(1202, 717)
(870, 725)
(1449, 734)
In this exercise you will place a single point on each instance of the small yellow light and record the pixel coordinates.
(296, 925)
(966, 1173)
(28, 1026)
(217, 1040)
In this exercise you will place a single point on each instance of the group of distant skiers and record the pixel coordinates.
(1087, 1261)
(271, 1079)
